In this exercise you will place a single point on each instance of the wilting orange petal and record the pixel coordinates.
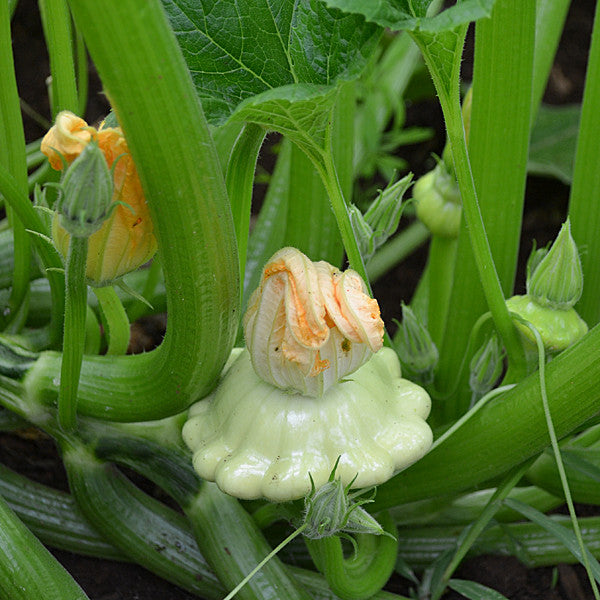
(68, 136)
(308, 325)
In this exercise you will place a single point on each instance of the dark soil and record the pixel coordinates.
(546, 203)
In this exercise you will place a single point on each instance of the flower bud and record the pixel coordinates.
(486, 367)
(86, 193)
(438, 203)
(557, 281)
(382, 218)
(126, 238)
(66, 138)
(418, 354)
(330, 510)
(308, 325)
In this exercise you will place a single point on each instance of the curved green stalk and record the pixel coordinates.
(74, 338)
(12, 6)
(366, 571)
(92, 332)
(170, 142)
(240, 181)
(269, 232)
(56, 21)
(550, 19)
(506, 431)
(142, 528)
(55, 518)
(482, 252)
(114, 319)
(152, 276)
(13, 158)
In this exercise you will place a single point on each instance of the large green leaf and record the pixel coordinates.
(411, 15)
(300, 111)
(553, 142)
(238, 49)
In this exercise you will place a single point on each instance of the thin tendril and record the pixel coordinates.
(264, 561)
(556, 450)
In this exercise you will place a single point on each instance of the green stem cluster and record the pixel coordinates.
(186, 193)
(492, 200)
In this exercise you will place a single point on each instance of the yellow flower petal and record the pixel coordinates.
(126, 239)
(68, 136)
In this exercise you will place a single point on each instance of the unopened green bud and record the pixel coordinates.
(558, 328)
(557, 280)
(438, 203)
(326, 510)
(332, 510)
(87, 192)
(382, 218)
(416, 350)
(486, 367)
(384, 213)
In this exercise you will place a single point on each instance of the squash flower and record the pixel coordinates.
(308, 325)
(126, 239)
(314, 388)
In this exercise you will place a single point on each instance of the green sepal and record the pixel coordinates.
(486, 366)
(111, 120)
(332, 510)
(417, 352)
(381, 220)
(557, 280)
(86, 193)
